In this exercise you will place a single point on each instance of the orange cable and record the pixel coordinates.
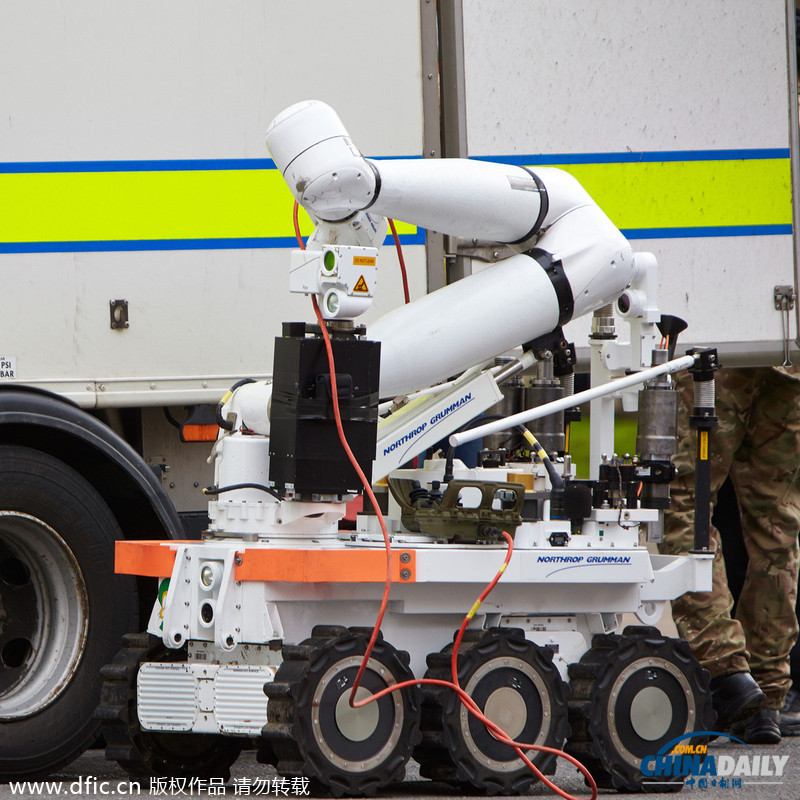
(468, 702)
(464, 697)
(368, 490)
(296, 221)
(399, 249)
(473, 708)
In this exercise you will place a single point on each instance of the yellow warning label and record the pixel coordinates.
(361, 286)
(364, 261)
(703, 445)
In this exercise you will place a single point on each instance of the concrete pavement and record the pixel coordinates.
(94, 778)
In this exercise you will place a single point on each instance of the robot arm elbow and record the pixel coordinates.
(322, 167)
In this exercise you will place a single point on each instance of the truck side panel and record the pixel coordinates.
(680, 130)
(134, 168)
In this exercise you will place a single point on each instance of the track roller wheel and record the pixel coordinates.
(313, 732)
(514, 683)
(146, 754)
(631, 695)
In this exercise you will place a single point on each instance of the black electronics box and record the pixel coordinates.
(305, 450)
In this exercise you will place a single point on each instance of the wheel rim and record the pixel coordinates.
(356, 740)
(512, 693)
(43, 615)
(639, 697)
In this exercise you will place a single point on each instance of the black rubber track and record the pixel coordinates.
(604, 738)
(448, 750)
(147, 754)
(302, 737)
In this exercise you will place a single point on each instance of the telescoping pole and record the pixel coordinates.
(703, 419)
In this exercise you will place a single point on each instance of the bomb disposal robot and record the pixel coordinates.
(259, 630)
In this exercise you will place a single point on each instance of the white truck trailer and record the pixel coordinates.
(144, 236)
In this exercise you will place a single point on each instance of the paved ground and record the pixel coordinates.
(86, 777)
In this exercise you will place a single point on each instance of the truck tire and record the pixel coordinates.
(63, 612)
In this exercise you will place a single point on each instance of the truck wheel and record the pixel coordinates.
(63, 612)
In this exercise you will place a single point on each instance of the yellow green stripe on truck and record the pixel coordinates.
(691, 194)
(236, 203)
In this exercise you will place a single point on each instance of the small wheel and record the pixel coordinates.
(63, 611)
(631, 695)
(146, 754)
(514, 683)
(313, 731)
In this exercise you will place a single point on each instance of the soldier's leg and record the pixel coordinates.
(765, 474)
(704, 619)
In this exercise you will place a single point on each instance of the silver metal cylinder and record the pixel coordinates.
(548, 430)
(512, 403)
(704, 394)
(657, 432)
(603, 322)
(657, 440)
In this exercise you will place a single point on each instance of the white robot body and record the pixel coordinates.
(264, 619)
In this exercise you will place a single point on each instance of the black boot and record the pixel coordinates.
(735, 697)
(790, 714)
(761, 728)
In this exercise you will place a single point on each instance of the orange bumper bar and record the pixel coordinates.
(341, 565)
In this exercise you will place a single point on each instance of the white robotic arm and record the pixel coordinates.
(570, 260)
(330, 178)
(575, 259)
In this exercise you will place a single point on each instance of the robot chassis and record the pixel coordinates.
(259, 629)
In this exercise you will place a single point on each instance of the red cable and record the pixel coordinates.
(465, 698)
(484, 594)
(402, 260)
(468, 702)
(363, 478)
(367, 489)
(296, 221)
(473, 708)
(406, 295)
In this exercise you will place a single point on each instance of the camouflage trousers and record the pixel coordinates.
(757, 443)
